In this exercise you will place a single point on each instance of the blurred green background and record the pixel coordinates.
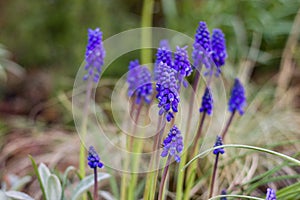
(53, 33)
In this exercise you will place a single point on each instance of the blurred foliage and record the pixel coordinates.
(43, 33)
(54, 32)
(240, 20)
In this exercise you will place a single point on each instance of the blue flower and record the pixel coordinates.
(167, 90)
(219, 142)
(139, 81)
(207, 102)
(271, 195)
(94, 159)
(94, 55)
(218, 46)
(181, 63)
(163, 55)
(201, 46)
(238, 99)
(173, 144)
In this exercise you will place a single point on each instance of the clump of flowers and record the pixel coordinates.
(173, 144)
(207, 49)
(167, 90)
(94, 55)
(139, 81)
(238, 99)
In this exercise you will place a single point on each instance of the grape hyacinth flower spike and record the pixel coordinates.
(94, 55)
(271, 195)
(207, 102)
(201, 46)
(163, 55)
(218, 45)
(139, 81)
(182, 64)
(218, 142)
(173, 144)
(238, 99)
(94, 159)
(94, 163)
(172, 147)
(167, 89)
(236, 102)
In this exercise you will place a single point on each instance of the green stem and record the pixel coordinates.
(136, 144)
(157, 157)
(148, 193)
(283, 156)
(163, 178)
(190, 177)
(180, 180)
(83, 129)
(146, 35)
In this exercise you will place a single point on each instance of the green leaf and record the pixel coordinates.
(86, 183)
(44, 173)
(36, 171)
(18, 195)
(53, 189)
(65, 179)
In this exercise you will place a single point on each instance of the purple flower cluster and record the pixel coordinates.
(271, 195)
(173, 144)
(167, 90)
(201, 46)
(139, 81)
(219, 142)
(164, 55)
(181, 63)
(237, 100)
(94, 55)
(207, 102)
(94, 159)
(218, 46)
(208, 48)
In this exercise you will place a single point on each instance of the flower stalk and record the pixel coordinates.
(163, 178)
